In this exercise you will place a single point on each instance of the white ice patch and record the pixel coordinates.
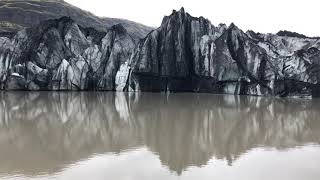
(93, 57)
(204, 47)
(122, 77)
(34, 68)
(230, 88)
(259, 90)
(16, 75)
(268, 49)
(64, 75)
(80, 69)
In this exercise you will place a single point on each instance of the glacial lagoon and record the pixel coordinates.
(131, 136)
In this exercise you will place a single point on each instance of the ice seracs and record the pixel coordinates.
(61, 55)
(190, 54)
(185, 54)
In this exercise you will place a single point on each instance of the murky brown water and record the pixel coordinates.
(118, 136)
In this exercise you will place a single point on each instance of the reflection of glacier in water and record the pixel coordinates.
(66, 135)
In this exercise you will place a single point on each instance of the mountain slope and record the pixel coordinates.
(16, 14)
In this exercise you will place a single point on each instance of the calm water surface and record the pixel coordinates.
(119, 136)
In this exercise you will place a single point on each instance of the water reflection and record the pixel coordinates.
(45, 132)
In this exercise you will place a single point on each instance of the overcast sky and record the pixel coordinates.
(259, 15)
